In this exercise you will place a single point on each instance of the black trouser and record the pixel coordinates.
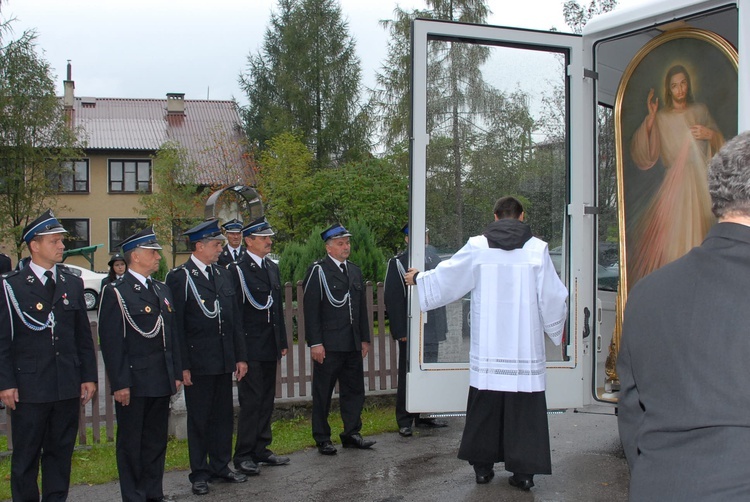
(347, 369)
(256, 392)
(403, 417)
(508, 427)
(46, 430)
(210, 422)
(141, 447)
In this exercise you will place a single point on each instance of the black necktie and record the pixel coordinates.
(235, 256)
(262, 263)
(149, 283)
(343, 269)
(50, 284)
(209, 274)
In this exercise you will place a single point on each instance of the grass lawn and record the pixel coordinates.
(96, 464)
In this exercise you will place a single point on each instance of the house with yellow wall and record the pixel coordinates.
(99, 196)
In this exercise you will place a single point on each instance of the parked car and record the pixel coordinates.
(92, 284)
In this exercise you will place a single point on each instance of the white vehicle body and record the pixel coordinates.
(594, 64)
(92, 284)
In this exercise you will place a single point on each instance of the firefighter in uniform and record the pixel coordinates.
(47, 363)
(258, 286)
(210, 337)
(142, 359)
(234, 248)
(338, 333)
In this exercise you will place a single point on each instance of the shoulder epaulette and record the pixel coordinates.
(10, 274)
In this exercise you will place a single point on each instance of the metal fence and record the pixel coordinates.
(294, 377)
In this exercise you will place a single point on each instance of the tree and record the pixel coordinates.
(576, 16)
(35, 139)
(297, 199)
(306, 80)
(456, 93)
(176, 200)
(285, 183)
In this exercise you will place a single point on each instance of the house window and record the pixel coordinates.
(73, 177)
(130, 176)
(122, 228)
(78, 235)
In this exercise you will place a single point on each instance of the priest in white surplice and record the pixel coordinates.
(516, 297)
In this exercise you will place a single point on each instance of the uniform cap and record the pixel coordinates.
(46, 224)
(258, 227)
(206, 230)
(145, 239)
(335, 231)
(233, 225)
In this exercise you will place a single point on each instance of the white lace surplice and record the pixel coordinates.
(516, 298)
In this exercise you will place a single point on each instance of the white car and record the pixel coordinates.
(92, 284)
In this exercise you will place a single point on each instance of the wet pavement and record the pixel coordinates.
(587, 465)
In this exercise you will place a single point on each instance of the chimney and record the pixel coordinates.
(175, 103)
(69, 86)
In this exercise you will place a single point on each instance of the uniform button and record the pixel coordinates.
(57, 353)
(57, 338)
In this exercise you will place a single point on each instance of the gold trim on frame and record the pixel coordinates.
(731, 54)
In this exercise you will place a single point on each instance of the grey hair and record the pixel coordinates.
(729, 178)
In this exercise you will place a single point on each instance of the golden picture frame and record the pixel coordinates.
(677, 102)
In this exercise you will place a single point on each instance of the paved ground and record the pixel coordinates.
(587, 463)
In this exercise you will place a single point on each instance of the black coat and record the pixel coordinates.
(264, 338)
(148, 366)
(226, 258)
(337, 328)
(5, 264)
(436, 327)
(47, 365)
(207, 346)
(683, 409)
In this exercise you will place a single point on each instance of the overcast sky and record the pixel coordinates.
(147, 48)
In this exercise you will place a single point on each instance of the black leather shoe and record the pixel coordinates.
(326, 448)
(524, 483)
(274, 459)
(405, 432)
(483, 479)
(248, 467)
(431, 423)
(230, 477)
(356, 441)
(200, 488)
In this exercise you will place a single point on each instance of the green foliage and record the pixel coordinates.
(576, 16)
(175, 200)
(365, 253)
(298, 256)
(285, 182)
(160, 274)
(373, 191)
(36, 140)
(306, 80)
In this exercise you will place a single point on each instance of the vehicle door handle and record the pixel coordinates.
(586, 319)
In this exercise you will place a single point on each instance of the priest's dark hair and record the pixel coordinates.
(508, 207)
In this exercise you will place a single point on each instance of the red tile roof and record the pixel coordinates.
(209, 130)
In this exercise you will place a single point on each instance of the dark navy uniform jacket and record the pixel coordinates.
(336, 328)
(265, 338)
(208, 346)
(394, 296)
(148, 366)
(225, 258)
(47, 365)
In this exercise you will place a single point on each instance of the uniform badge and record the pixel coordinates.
(169, 307)
(62, 277)
(137, 287)
(147, 309)
(39, 306)
(195, 272)
(30, 279)
(65, 299)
